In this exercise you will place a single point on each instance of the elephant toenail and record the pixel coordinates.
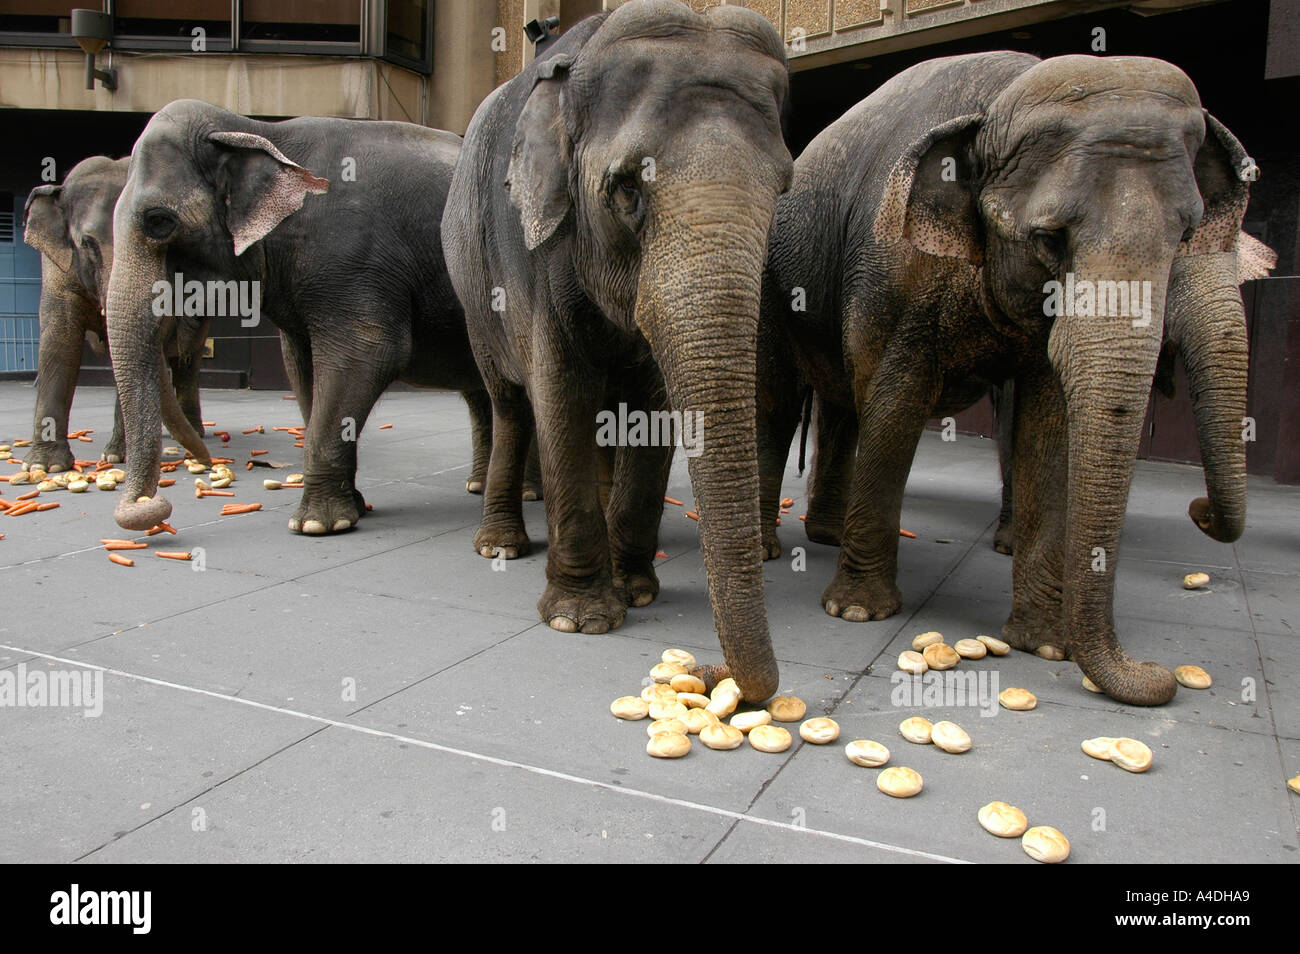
(342, 524)
(563, 624)
(1049, 652)
(295, 525)
(313, 527)
(854, 614)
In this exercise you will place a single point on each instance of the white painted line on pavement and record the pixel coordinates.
(506, 763)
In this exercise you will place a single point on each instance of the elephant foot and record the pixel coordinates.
(857, 598)
(53, 457)
(636, 585)
(504, 541)
(771, 544)
(569, 611)
(820, 529)
(1044, 637)
(1004, 539)
(319, 514)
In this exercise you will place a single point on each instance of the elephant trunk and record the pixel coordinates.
(697, 304)
(135, 346)
(1106, 363)
(1208, 326)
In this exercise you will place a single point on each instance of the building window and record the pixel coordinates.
(301, 21)
(37, 16)
(408, 29)
(173, 19)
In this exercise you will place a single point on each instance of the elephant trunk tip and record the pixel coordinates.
(141, 515)
(1134, 683)
(1212, 524)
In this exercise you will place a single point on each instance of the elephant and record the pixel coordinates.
(71, 224)
(350, 270)
(606, 232)
(951, 232)
(1252, 259)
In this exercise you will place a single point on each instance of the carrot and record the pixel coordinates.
(288, 397)
(384, 427)
(168, 468)
(803, 516)
(693, 515)
(6, 477)
(29, 495)
(256, 430)
(223, 460)
(2, 536)
(674, 501)
(161, 528)
(209, 423)
(22, 509)
(125, 545)
(259, 453)
(297, 486)
(233, 509)
(48, 506)
(216, 493)
(785, 509)
(107, 540)
(660, 555)
(87, 440)
(299, 444)
(370, 506)
(787, 501)
(905, 533)
(778, 521)
(123, 561)
(5, 505)
(166, 482)
(174, 554)
(250, 466)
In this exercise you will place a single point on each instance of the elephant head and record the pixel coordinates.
(1086, 194)
(200, 194)
(657, 150)
(71, 224)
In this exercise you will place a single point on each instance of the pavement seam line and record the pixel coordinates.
(1267, 699)
(495, 760)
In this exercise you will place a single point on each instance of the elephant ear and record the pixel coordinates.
(261, 186)
(1254, 258)
(538, 177)
(45, 227)
(930, 199)
(1223, 174)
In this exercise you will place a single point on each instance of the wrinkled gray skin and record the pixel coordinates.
(924, 290)
(832, 459)
(351, 272)
(71, 224)
(1202, 279)
(620, 286)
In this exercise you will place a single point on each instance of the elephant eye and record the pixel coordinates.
(1051, 246)
(623, 196)
(159, 224)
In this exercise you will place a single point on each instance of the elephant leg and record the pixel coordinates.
(480, 426)
(893, 406)
(501, 531)
(778, 420)
(580, 593)
(832, 472)
(185, 380)
(297, 363)
(636, 506)
(533, 470)
(1039, 470)
(1004, 416)
(58, 365)
(345, 387)
(115, 450)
